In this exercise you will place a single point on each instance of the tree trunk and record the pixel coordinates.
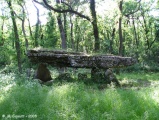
(2, 29)
(62, 33)
(111, 41)
(77, 31)
(23, 29)
(13, 41)
(30, 30)
(135, 34)
(37, 29)
(95, 27)
(17, 43)
(121, 53)
(62, 29)
(24, 33)
(71, 33)
(65, 25)
(146, 32)
(23, 25)
(136, 40)
(120, 37)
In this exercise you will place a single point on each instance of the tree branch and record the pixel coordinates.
(64, 11)
(40, 3)
(67, 5)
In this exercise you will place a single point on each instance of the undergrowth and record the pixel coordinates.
(22, 98)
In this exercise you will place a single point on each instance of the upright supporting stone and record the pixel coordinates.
(97, 74)
(102, 76)
(110, 77)
(43, 73)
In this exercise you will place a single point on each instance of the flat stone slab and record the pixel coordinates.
(79, 60)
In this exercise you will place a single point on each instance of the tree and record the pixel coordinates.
(127, 11)
(95, 27)
(50, 35)
(37, 28)
(29, 25)
(62, 30)
(70, 10)
(17, 43)
(71, 33)
(23, 24)
(2, 30)
(120, 29)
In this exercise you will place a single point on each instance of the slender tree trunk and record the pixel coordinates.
(62, 33)
(95, 27)
(120, 37)
(2, 29)
(37, 29)
(77, 34)
(23, 25)
(23, 28)
(30, 30)
(135, 34)
(121, 53)
(146, 33)
(17, 43)
(25, 37)
(65, 25)
(77, 47)
(13, 41)
(62, 29)
(136, 40)
(112, 41)
(71, 33)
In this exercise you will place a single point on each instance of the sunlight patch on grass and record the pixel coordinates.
(8, 87)
(6, 83)
(155, 95)
(150, 76)
(63, 90)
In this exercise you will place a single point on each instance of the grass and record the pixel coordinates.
(27, 99)
(151, 76)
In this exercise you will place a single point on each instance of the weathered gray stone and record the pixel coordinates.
(110, 77)
(79, 60)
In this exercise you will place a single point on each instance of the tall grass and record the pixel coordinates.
(75, 101)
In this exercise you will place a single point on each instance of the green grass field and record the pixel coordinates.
(137, 99)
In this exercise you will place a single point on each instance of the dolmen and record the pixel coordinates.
(97, 62)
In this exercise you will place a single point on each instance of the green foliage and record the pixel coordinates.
(50, 36)
(4, 57)
(7, 55)
(129, 6)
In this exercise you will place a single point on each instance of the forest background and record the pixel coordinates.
(119, 27)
